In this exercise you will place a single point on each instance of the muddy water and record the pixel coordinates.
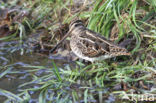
(14, 72)
(14, 64)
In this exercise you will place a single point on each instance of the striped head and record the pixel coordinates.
(76, 24)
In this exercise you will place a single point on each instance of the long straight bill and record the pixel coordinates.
(53, 49)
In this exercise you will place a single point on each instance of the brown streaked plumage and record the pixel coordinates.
(90, 45)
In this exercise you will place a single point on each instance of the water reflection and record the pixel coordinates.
(14, 66)
(16, 76)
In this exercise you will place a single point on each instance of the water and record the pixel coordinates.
(16, 76)
(13, 70)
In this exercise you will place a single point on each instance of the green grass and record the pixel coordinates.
(82, 83)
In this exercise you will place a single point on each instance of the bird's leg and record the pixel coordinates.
(93, 66)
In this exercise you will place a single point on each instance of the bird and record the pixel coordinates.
(89, 45)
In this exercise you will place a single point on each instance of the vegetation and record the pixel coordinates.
(110, 80)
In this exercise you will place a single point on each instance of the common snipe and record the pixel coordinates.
(90, 45)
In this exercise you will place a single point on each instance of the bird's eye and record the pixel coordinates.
(76, 25)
